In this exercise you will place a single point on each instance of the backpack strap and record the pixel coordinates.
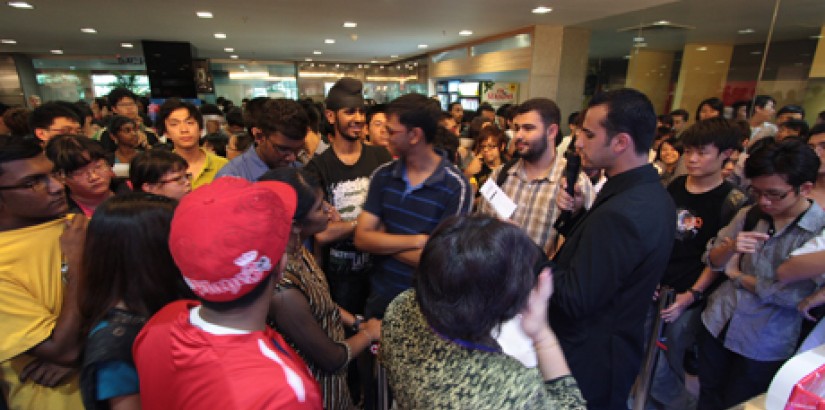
(505, 170)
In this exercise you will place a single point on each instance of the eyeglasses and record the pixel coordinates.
(486, 147)
(181, 179)
(769, 195)
(286, 151)
(66, 130)
(99, 168)
(37, 183)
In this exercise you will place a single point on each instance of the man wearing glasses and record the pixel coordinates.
(279, 127)
(52, 119)
(751, 325)
(39, 319)
(124, 102)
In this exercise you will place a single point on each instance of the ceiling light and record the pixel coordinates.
(127, 45)
(703, 48)
(662, 23)
(638, 39)
(746, 31)
(229, 50)
(317, 52)
(465, 33)
(88, 30)
(640, 45)
(329, 41)
(204, 14)
(542, 10)
(422, 46)
(20, 5)
(234, 57)
(350, 24)
(394, 56)
(57, 51)
(8, 41)
(374, 62)
(756, 53)
(307, 59)
(220, 35)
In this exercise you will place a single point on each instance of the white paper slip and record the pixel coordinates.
(503, 205)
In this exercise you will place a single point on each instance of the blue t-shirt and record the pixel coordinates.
(116, 377)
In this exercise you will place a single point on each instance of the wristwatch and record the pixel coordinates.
(698, 295)
(356, 326)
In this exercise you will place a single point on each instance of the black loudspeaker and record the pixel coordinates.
(169, 68)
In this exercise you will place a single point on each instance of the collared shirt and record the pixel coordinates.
(536, 209)
(763, 325)
(213, 165)
(405, 209)
(248, 166)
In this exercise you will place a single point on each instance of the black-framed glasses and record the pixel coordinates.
(66, 130)
(99, 168)
(37, 183)
(181, 179)
(772, 196)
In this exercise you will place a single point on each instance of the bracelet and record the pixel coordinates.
(356, 326)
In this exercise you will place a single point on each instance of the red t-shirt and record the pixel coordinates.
(181, 366)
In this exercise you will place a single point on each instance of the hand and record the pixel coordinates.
(732, 270)
(73, 239)
(681, 302)
(565, 202)
(805, 307)
(422, 240)
(534, 314)
(334, 216)
(749, 242)
(372, 328)
(45, 373)
(656, 292)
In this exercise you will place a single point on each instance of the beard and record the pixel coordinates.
(341, 129)
(535, 151)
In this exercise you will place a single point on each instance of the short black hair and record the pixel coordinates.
(44, 115)
(475, 273)
(680, 112)
(545, 107)
(631, 112)
(799, 126)
(280, 115)
(72, 152)
(447, 142)
(15, 148)
(218, 141)
(173, 104)
(304, 183)
(761, 101)
(313, 115)
(791, 109)
(235, 117)
(571, 119)
(117, 122)
(486, 107)
(242, 141)
(714, 103)
(817, 129)
(380, 109)
(791, 159)
(210, 109)
(118, 94)
(742, 103)
(666, 120)
(17, 121)
(717, 131)
(150, 166)
(417, 111)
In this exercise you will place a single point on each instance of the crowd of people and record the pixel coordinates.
(343, 254)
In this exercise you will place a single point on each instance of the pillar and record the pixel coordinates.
(702, 75)
(559, 66)
(649, 71)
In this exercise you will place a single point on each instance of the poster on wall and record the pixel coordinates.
(204, 82)
(498, 94)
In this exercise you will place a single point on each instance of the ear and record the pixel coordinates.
(150, 188)
(330, 116)
(258, 135)
(40, 133)
(806, 188)
(621, 142)
(553, 132)
(727, 153)
(417, 134)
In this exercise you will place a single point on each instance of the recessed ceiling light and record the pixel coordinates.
(720, 61)
(307, 59)
(638, 39)
(88, 30)
(127, 45)
(374, 62)
(662, 23)
(817, 37)
(756, 53)
(220, 35)
(465, 33)
(394, 56)
(234, 57)
(703, 48)
(746, 31)
(422, 46)
(317, 52)
(350, 24)
(330, 41)
(204, 14)
(57, 51)
(20, 5)
(542, 10)
(229, 50)
(8, 41)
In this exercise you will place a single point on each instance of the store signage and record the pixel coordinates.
(130, 60)
(500, 93)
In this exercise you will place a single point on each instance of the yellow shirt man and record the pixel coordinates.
(31, 291)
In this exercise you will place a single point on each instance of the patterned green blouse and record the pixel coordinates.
(428, 372)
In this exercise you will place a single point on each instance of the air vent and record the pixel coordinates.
(661, 25)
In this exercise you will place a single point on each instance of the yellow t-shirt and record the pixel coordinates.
(31, 297)
(214, 163)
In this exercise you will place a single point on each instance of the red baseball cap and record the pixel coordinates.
(228, 236)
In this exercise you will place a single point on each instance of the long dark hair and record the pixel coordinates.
(126, 258)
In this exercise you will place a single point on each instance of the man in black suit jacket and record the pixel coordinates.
(615, 254)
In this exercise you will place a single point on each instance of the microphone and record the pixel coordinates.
(571, 175)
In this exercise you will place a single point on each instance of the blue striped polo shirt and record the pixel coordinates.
(410, 210)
